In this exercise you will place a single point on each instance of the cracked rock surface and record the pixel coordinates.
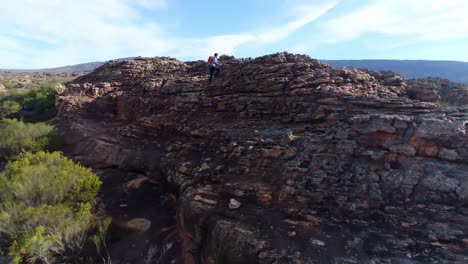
(282, 159)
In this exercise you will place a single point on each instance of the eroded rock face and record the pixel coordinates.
(432, 89)
(324, 165)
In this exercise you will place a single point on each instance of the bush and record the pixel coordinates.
(48, 178)
(34, 244)
(9, 107)
(17, 136)
(45, 206)
(441, 104)
(38, 104)
(9, 84)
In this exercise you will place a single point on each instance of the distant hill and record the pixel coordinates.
(455, 71)
(82, 68)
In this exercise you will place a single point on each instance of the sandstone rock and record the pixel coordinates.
(404, 149)
(185, 168)
(204, 167)
(426, 92)
(445, 231)
(432, 89)
(462, 190)
(448, 154)
(316, 242)
(425, 147)
(272, 153)
(438, 128)
(234, 204)
(288, 136)
(437, 181)
(140, 224)
(264, 197)
(199, 198)
(379, 125)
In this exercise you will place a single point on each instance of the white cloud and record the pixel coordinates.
(50, 33)
(302, 15)
(393, 23)
(151, 4)
(305, 14)
(417, 19)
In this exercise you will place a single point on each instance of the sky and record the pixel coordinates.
(52, 33)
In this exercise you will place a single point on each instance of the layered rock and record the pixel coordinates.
(282, 159)
(433, 89)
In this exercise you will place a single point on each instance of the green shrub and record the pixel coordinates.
(17, 136)
(441, 104)
(38, 104)
(9, 107)
(45, 206)
(33, 244)
(9, 84)
(47, 178)
(11, 94)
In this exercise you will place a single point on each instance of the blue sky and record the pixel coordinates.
(50, 33)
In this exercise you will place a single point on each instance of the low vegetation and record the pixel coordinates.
(37, 104)
(9, 107)
(441, 104)
(45, 205)
(27, 80)
(46, 200)
(18, 136)
(9, 84)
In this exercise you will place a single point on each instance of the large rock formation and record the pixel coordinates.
(282, 159)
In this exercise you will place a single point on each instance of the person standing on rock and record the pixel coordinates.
(213, 66)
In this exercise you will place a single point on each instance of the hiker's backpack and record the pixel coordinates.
(210, 60)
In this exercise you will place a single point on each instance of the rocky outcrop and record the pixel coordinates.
(433, 89)
(282, 159)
